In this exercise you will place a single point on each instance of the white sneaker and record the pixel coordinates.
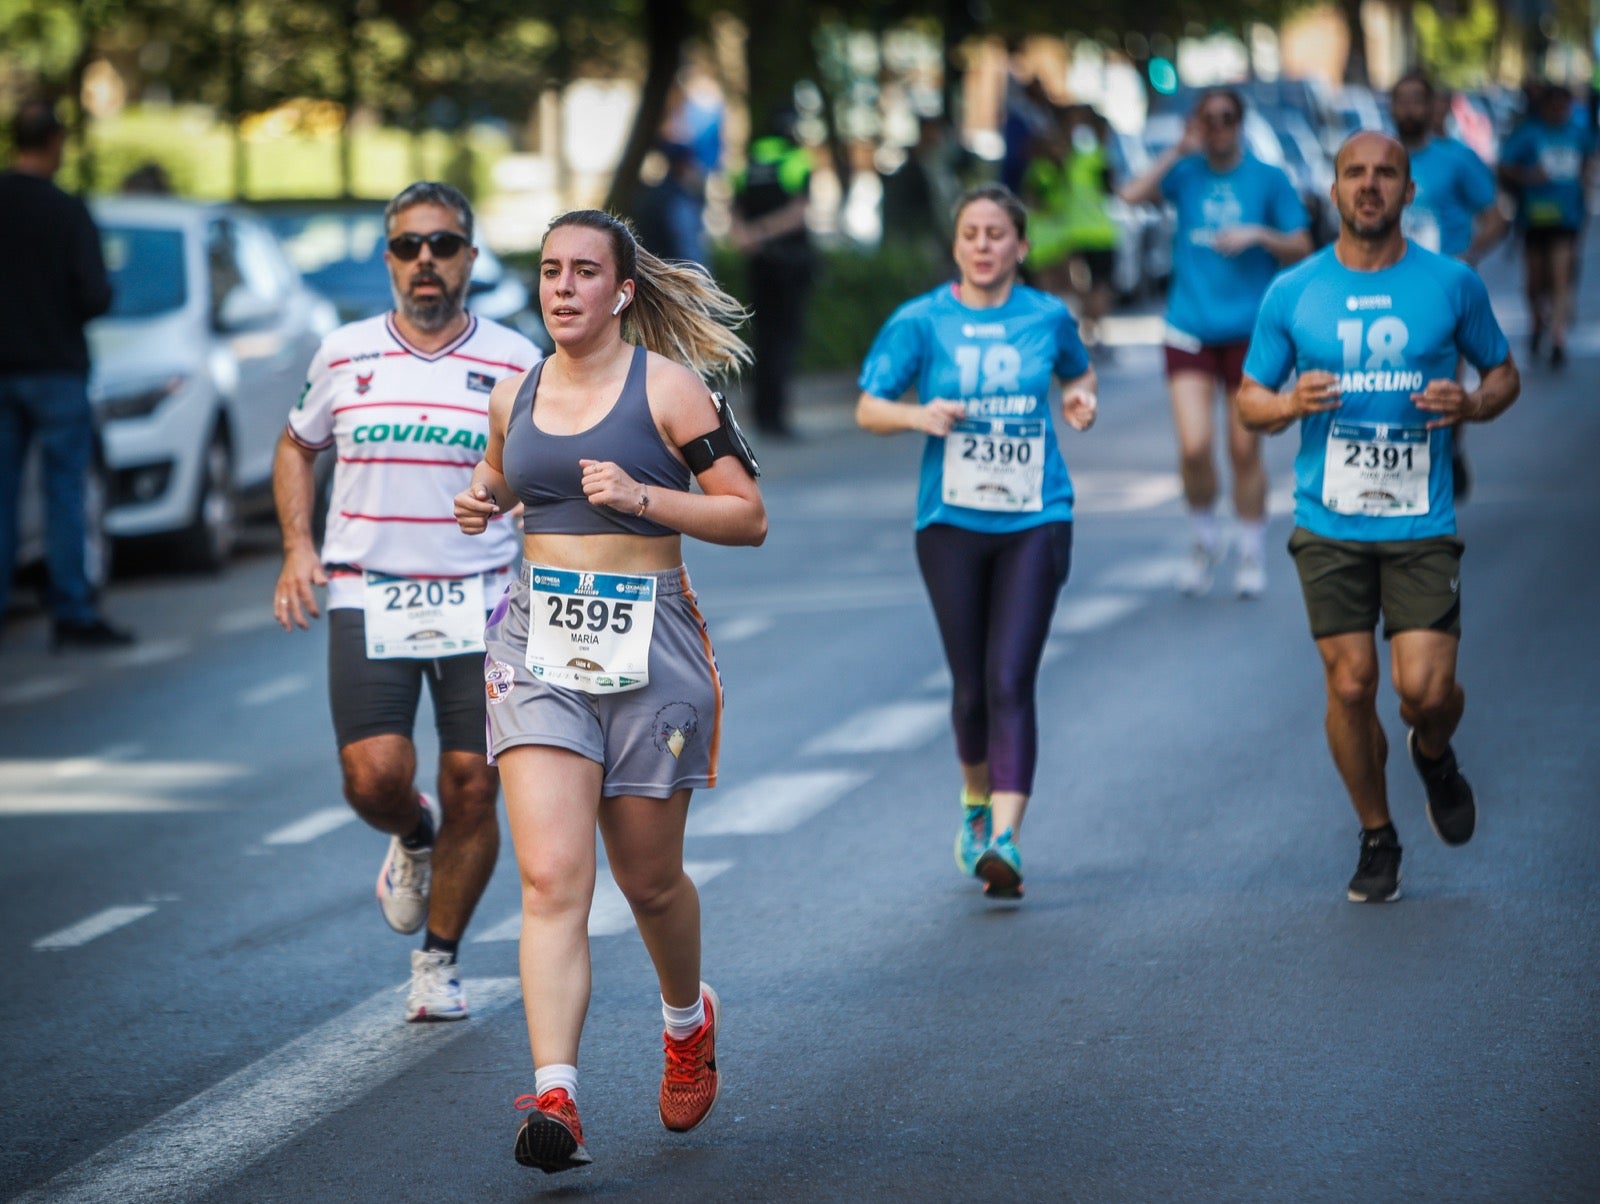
(435, 992)
(403, 880)
(1195, 577)
(1250, 580)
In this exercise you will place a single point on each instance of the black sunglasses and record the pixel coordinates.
(1220, 120)
(445, 244)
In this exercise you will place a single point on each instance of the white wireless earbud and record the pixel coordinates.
(622, 299)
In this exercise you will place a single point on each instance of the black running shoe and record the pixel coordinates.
(1452, 807)
(96, 633)
(1377, 878)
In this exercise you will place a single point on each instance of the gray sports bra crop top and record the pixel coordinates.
(542, 469)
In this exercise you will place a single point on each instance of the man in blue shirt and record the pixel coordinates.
(1239, 221)
(1455, 211)
(1371, 328)
(1546, 162)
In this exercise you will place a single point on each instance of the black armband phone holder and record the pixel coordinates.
(726, 440)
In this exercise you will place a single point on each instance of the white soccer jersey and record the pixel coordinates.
(408, 427)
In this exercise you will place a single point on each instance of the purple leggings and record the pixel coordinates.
(993, 596)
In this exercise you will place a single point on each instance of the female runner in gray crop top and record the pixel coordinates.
(605, 702)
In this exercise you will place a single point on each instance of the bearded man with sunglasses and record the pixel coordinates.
(1239, 221)
(403, 400)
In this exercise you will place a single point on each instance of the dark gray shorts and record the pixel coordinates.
(653, 741)
(1415, 583)
(379, 697)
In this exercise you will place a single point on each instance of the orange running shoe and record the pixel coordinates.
(552, 1138)
(690, 1083)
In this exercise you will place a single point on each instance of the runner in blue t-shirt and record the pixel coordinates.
(1372, 327)
(1456, 210)
(1239, 221)
(994, 506)
(1546, 162)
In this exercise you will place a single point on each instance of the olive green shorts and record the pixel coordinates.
(1415, 583)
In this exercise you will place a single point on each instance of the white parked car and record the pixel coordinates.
(195, 368)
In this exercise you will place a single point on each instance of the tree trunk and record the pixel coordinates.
(1355, 66)
(668, 24)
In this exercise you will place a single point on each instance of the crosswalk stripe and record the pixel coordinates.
(609, 914)
(213, 1137)
(97, 925)
(891, 727)
(308, 828)
(274, 690)
(773, 803)
(1077, 616)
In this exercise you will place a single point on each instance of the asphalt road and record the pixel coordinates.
(1184, 1007)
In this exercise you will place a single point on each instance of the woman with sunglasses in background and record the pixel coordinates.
(605, 704)
(994, 506)
(1239, 221)
(404, 400)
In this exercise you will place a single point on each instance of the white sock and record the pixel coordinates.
(1253, 539)
(683, 1022)
(1204, 524)
(548, 1078)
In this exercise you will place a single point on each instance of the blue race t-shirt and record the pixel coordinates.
(1214, 297)
(999, 363)
(1453, 187)
(1370, 469)
(1560, 150)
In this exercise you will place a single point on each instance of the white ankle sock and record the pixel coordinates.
(1253, 539)
(1204, 525)
(548, 1078)
(682, 1022)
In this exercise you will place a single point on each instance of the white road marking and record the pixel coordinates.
(774, 803)
(37, 689)
(1054, 649)
(20, 806)
(97, 925)
(1118, 490)
(1079, 616)
(1150, 572)
(241, 621)
(318, 823)
(937, 679)
(105, 785)
(825, 598)
(276, 689)
(892, 727)
(740, 627)
(153, 653)
(212, 1138)
(609, 913)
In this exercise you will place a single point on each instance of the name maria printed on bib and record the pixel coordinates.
(590, 631)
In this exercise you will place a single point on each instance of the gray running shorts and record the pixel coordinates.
(653, 741)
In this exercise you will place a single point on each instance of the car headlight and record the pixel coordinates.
(138, 401)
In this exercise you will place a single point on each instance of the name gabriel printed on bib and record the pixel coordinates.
(1371, 469)
(1000, 469)
(409, 426)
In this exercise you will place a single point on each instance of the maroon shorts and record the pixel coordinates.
(1220, 361)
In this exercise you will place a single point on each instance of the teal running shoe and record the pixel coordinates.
(977, 829)
(1000, 867)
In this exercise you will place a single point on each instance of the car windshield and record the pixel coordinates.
(334, 250)
(146, 269)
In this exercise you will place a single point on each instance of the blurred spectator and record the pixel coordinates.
(55, 282)
(671, 212)
(920, 195)
(1029, 116)
(148, 179)
(769, 226)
